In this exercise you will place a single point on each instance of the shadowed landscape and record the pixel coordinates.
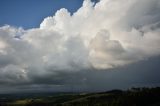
(131, 97)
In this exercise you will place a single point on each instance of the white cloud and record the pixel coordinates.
(109, 34)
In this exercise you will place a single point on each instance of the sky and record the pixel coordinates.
(30, 13)
(79, 45)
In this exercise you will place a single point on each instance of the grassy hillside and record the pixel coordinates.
(132, 97)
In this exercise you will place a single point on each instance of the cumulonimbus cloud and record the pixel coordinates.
(108, 34)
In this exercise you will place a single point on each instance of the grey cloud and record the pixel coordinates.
(143, 73)
(142, 13)
(70, 49)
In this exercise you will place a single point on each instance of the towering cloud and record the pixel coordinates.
(105, 35)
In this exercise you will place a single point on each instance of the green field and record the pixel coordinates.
(132, 97)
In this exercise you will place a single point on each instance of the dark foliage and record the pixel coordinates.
(132, 97)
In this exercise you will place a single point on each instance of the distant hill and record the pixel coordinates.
(132, 97)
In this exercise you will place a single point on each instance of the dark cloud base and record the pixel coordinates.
(142, 74)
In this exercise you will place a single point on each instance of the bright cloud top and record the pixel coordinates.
(108, 34)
